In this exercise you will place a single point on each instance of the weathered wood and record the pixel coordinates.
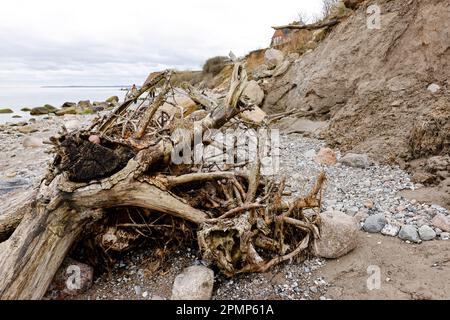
(32, 255)
(148, 85)
(13, 211)
(313, 26)
(238, 84)
(150, 112)
(63, 207)
(200, 98)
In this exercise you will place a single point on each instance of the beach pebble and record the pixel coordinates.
(32, 142)
(426, 233)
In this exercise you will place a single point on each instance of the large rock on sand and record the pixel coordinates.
(338, 235)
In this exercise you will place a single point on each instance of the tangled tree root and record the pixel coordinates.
(117, 178)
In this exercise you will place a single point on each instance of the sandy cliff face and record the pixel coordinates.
(373, 83)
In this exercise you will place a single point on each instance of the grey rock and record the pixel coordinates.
(375, 223)
(293, 56)
(43, 110)
(273, 58)
(355, 160)
(194, 283)
(253, 93)
(409, 233)
(282, 68)
(262, 72)
(352, 211)
(426, 233)
(68, 105)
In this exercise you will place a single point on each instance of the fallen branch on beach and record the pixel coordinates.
(313, 26)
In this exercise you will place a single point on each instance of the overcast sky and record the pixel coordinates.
(112, 42)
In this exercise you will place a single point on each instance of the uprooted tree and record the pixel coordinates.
(123, 162)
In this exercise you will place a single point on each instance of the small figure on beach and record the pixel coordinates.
(151, 94)
(133, 93)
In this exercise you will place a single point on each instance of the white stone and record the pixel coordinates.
(433, 88)
(390, 230)
(72, 125)
(32, 142)
(426, 233)
(194, 283)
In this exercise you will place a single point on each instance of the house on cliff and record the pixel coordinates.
(281, 37)
(285, 37)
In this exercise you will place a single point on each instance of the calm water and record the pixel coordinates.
(18, 98)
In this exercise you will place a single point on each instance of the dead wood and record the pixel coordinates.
(13, 211)
(199, 98)
(241, 222)
(313, 26)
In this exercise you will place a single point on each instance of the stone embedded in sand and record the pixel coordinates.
(338, 235)
(27, 129)
(375, 223)
(409, 233)
(355, 160)
(369, 204)
(32, 142)
(433, 88)
(326, 156)
(194, 283)
(426, 233)
(442, 222)
(72, 125)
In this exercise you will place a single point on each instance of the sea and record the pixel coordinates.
(16, 98)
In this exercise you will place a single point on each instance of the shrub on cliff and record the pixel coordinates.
(215, 65)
